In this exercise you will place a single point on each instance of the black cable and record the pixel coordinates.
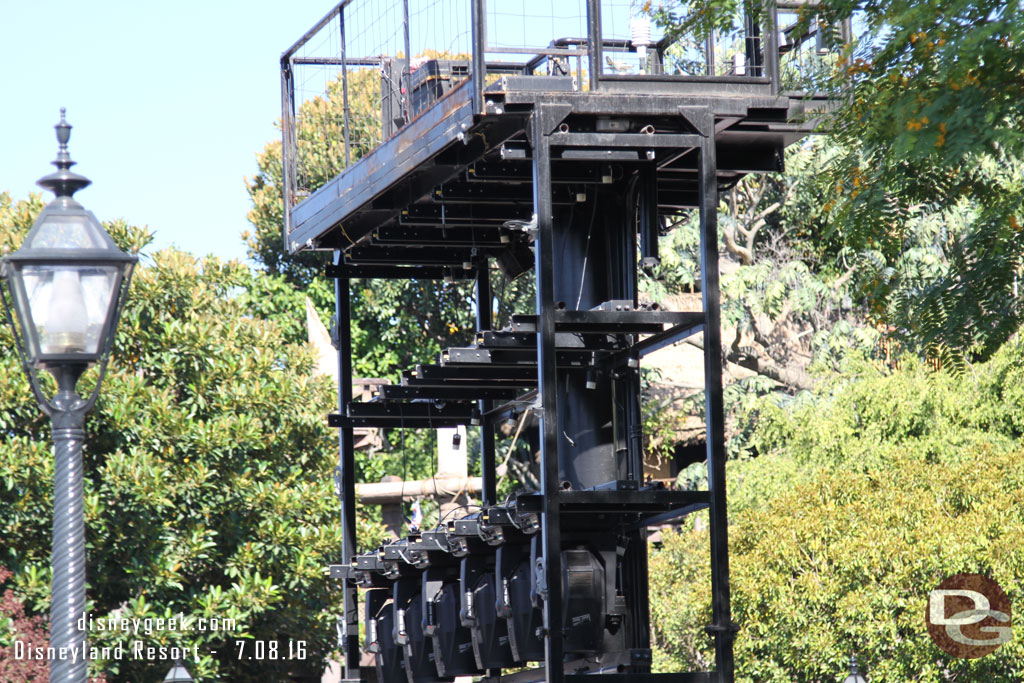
(586, 251)
(501, 297)
(460, 507)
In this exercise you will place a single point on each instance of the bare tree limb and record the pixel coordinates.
(795, 378)
(745, 255)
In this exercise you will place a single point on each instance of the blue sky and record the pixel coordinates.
(170, 103)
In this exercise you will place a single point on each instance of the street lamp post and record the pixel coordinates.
(178, 674)
(855, 674)
(67, 284)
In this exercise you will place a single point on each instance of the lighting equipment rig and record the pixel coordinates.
(525, 167)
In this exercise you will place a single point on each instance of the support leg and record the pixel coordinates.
(483, 322)
(721, 628)
(346, 471)
(548, 384)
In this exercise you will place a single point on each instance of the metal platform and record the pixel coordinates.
(450, 155)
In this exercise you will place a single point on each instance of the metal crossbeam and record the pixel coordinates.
(587, 502)
(412, 415)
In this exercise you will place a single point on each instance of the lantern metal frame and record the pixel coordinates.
(66, 367)
(178, 673)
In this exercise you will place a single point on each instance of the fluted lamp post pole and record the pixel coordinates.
(67, 284)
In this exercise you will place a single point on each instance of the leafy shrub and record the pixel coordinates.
(862, 501)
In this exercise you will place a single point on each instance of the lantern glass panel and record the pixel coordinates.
(68, 306)
(63, 230)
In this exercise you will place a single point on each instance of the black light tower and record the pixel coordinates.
(573, 173)
(67, 283)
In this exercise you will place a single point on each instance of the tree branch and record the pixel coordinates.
(745, 255)
(795, 378)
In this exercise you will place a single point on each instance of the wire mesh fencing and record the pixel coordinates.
(349, 83)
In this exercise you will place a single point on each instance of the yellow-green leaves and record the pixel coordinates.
(858, 505)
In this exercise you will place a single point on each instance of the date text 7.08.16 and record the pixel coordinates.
(270, 650)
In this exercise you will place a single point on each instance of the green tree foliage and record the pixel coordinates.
(208, 471)
(875, 487)
(928, 135)
(865, 497)
(789, 305)
(932, 128)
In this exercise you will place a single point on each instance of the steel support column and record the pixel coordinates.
(288, 166)
(407, 69)
(643, 209)
(771, 52)
(594, 43)
(478, 12)
(345, 474)
(344, 88)
(647, 200)
(483, 322)
(547, 382)
(721, 628)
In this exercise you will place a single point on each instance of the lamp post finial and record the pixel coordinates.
(63, 183)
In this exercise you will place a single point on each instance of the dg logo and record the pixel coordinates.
(969, 616)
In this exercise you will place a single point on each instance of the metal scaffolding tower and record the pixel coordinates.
(532, 165)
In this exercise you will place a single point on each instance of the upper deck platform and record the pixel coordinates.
(453, 146)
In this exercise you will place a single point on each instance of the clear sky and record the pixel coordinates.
(170, 102)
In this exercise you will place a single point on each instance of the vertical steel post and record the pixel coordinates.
(771, 44)
(845, 28)
(755, 62)
(287, 144)
(483, 322)
(647, 196)
(407, 71)
(479, 20)
(709, 54)
(636, 209)
(344, 88)
(346, 469)
(636, 577)
(644, 209)
(547, 382)
(721, 628)
(594, 43)
(67, 601)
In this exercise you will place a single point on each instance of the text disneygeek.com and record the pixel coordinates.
(151, 624)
